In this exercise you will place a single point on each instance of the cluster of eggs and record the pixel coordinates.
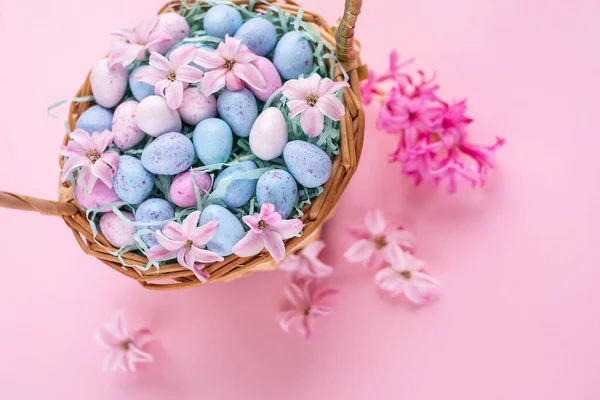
(217, 122)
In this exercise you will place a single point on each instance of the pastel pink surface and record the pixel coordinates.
(517, 314)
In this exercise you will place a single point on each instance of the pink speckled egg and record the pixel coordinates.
(99, 196)
(197, 107)
(154, 117)
(182, 189)
(172, 25)
(127, 132)
(269, 72)
(108, 84)
(119, 233)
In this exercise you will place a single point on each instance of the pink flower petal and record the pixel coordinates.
(208, 59)
(375, 222)
(202, 235)
(190, 223)
(360, 251)
(297, 106)
(124, 54)
(286, 319)
(159, 63)
(185, 258)
(127, 34)
(331, 106)
(83, 139)
(187, 73)
(73, 163)
(312, 121)
(233, 82)
(205, 256)
(213, 81)
(274, 244)
(159, 253)
(312, 84)
(322, 294)
(395, 256)
(229, 48)
(252, 221)
(102, 140)
(401, 237)
(174, 231)
(291, 264)
(169, 244)
(318, 269)
(321, 310)
(174, 95)
(287, 228)
(145, 28)
(200, 274)
(136, 355)
(151, 76)
(296, 89)
(111, 158)
(306, 327)
(244, 55)
(182, 55)
(87, 178)
(297, 295)
(424, 281)
(141, 337)
(329, 87)
(108, 338)
(249, 245)
(249, 74)
(313, 250)
(414, 294)
(104, 172)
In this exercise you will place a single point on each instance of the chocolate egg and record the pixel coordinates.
(279, 188)
(182, 191)
(169, 154)
(293, 56)
(132, 182)
(308, 164)
(108, 84)
(259, 35)
(239, 110)
(213, 141)
(239, 191)
(119, 233)
(221, 20)
(155, 117)
(153, 210)
(269, 134)
(230, 229)
(95, 119)
(272, 79)
(197, 107)
(127, 133)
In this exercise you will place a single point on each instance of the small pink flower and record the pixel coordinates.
(231, 64)
(305, 304)
(171, 76)
(306, 263)
(136, 43)
(89, 153)
(186, 242)
(404, 275)
(375, 238)
(125, 350)
(267, 230)
(404, 114)
(450, 122)
(314, 98)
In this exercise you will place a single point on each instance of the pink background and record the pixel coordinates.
(517, 316)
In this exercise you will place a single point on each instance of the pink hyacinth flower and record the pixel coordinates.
(231, 64)
(186, 242)
(305, 304)
(377, 235)
(171, 76)
(267, 230)
(404, 275)
(125, 350)
(306, 264)
(89, 153)
(136, 43)
(314, 98)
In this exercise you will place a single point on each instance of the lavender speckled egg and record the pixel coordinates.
(132, 182)
(173, 25)
(153, 210)
(155, 117)
(293, 56)
(182, 191)
(197, 107)
(239, 110)
(239, 191)
(95, 119)
(222, 20)
(127, 133)
(170, 154)
(99, 196)
(230, 229)
(108, 84)
(259, 35)
(279, 188)
(140, 90)
(213, 141)
(272, 78)
(119, 233)
(308, 164)
(269, 134)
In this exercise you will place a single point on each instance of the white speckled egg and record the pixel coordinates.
(155, 117)
(108, 84)
(197, 107)
(119, 233)
(173, 25)
(269, 134)
(127, 133)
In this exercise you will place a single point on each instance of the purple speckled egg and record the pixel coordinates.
(279, 188)
(308, 164)
(170, 154)
(99, 196)
(119, 233)
(182, 189)
(153, 210)
(239, 110)
(272, 78)
(108, 84)
(155, 117)
(173, 25)
(127, 133)
(269, 134)
(197, 107)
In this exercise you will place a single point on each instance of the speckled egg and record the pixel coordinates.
(230, 229)
(119, 233)
(269, 134)
(293, 56)
(140, 90)
(153, 210)
(279, 188)
(155, 117)
(197, 107)
(132, 182)
(182, 191)
(239, 191)
(222, 20)
(239, 110)
(170, 154)
(108, 84)
(308, 164)
(95, 119)
(259, 35)
(127, 133)
(213, 141)
(99, 196)
(272, 78)
(173, 25)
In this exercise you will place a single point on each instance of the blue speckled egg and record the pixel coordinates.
(279, 188)
(293, 56)
(132, 182)
(239, 191)
(95, 119)
(213, 141)
(239, 110)
(222, 20)
(169, 154)
(259, 35)
(140, 90)
(308, 164)
(153, 210)
(230, 229)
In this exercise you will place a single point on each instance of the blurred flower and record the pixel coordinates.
(306, 263)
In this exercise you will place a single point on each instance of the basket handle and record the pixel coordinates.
(45, 207)
(344, 36)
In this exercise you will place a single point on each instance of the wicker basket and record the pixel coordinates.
(174, 276)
